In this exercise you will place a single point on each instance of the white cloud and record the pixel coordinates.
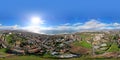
(66, 24)
(116, 24)
(9, 27)
(15, 26)
(77, 24)
(91, 24)
(35, 29)
(35, 24)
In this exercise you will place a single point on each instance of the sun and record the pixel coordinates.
(36, 21)
(35, 24)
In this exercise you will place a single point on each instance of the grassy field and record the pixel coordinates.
(22, 58)
(40, 58)
(3, 51)
(113, 48)
(83, 44)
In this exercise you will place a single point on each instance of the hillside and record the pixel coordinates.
(13, 42)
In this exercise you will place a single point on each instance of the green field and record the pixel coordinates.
(113, 48)
(83, 44)
(3, 51)
(40, 58)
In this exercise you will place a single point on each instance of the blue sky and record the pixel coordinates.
(56, 13)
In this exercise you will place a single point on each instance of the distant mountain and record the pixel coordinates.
(49, 32)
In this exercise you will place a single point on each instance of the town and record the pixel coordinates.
(95, 44)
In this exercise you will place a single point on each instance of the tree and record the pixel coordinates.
(116, 36)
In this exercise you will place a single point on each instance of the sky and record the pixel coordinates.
(59, 16)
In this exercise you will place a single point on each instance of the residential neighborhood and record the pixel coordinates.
(62, 45)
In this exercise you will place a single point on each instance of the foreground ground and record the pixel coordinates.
(42, 58)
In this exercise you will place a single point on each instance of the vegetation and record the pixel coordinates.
(85, 36)
(83, 44)
(40, 58)
(46, 55)
(12, 38)
(3, 51)
(23, 58)
(9, 39)
(113, 48)
(22, 42)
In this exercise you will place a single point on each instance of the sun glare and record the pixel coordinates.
(36, 21)
(35, 24)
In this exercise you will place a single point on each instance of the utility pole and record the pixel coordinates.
(93, 50)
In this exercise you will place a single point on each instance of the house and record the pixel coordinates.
(119, 41)
(17, 44)
(17, 51)
(33, 50)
